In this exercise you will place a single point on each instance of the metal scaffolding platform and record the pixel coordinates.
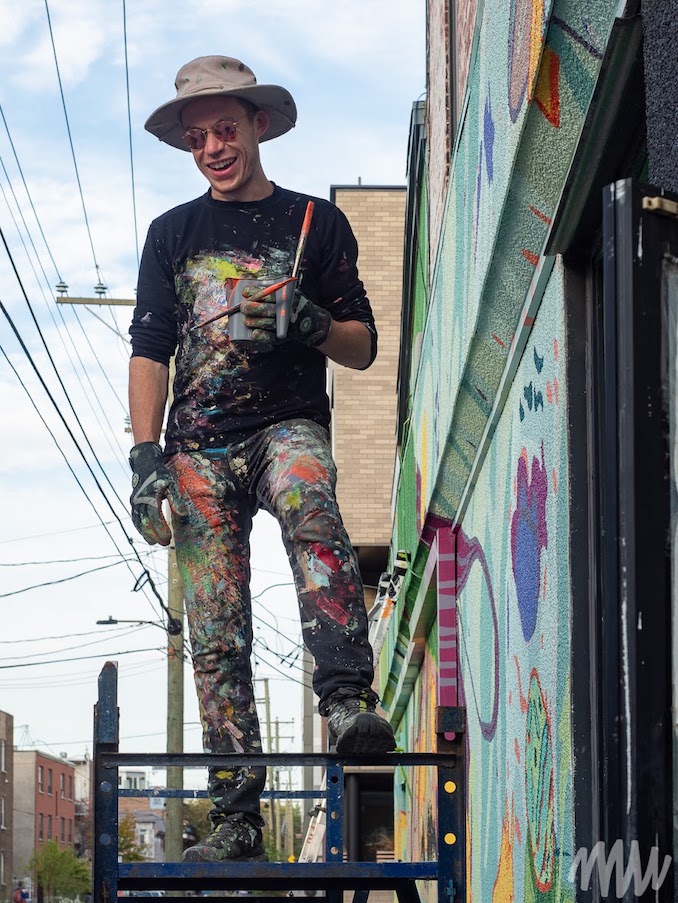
(332, 878)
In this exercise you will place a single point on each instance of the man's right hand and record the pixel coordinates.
(151, 483)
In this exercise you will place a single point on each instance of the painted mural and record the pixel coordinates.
(530, 82)
(513, 617)
(535, 69)
(519, 516)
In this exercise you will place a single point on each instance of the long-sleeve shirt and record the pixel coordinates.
(225, 390)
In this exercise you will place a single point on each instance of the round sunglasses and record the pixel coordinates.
(224, 130)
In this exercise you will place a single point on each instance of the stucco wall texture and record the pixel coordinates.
(529, 87)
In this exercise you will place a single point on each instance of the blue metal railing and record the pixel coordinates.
(333, 876)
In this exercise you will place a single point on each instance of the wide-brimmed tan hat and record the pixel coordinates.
(221, 76)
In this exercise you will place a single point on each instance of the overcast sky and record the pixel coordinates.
(354, 69)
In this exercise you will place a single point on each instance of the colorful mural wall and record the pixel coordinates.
(533, 76)
(530, 82)
(512, 589)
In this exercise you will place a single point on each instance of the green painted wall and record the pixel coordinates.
(530, 84)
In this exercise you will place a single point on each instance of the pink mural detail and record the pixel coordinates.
(448, 662)
(466, 552)
(470, 551)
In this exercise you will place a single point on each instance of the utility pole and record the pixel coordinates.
(174, 809)
(311, 779)
(277, 787)
(289, 820)
(174, 820)
(277, 818)
(273, 806)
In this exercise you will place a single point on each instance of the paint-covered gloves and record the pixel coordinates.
(308, 323)
(151, 483)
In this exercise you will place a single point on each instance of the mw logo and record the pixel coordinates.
(613, 864)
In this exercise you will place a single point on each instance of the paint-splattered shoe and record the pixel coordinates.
(235, 839)
(356, 729)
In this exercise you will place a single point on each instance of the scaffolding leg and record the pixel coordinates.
(334, 817)
(106, 740)
(451, 720)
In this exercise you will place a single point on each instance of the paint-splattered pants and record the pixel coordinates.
(288, 470)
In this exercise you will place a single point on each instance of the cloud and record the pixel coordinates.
(355, 70)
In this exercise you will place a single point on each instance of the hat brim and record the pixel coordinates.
(165, 122)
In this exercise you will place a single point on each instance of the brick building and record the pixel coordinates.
(364, 411)
(44, 804)
(364, 403)
(6, 805)
(83, 805)
(148, 814)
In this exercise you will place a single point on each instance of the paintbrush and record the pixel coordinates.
(303, 235)
(264, 293)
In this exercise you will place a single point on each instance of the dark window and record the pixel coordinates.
(41, 827)
(49, 782)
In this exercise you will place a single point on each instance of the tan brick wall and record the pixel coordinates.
(438, 110)
(364, 409)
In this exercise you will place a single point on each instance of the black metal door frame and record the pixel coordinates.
(635, 608)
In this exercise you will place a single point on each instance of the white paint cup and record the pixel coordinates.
(247, 288)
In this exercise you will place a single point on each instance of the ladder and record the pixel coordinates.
(333, 877)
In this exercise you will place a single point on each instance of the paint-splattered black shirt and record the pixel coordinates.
(226, 390)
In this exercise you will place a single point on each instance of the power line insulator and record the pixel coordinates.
(61, 288)
(100, 289)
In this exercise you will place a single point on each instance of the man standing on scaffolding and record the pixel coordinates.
(248, 425)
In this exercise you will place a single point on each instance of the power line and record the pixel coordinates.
(70, 141)
(16, 564)
(77, 317)
(30, 201)
(54, 532)
(129, 130)
(78, 678)
(64, 636)
(68, 464)
(103, 639)
(82, 658)
(26, 589)
(56, 371)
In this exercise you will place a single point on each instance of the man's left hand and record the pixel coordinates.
(309, 323)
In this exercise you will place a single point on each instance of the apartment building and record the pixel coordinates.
(44, 804)
(148, 814)
(83, 768)
(6, 805)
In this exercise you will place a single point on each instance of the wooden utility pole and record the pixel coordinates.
(174, 819)
(273, 806)
(277, 787)
(289, 820)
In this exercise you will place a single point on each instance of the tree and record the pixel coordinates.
(128, 848)
(196, 814)
(59, 872)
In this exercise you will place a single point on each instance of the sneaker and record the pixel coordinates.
(356, 729)
(235, 839)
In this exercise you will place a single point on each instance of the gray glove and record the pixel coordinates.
(151, 483)
(309, 323)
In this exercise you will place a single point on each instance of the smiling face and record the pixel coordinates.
(233, 168)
